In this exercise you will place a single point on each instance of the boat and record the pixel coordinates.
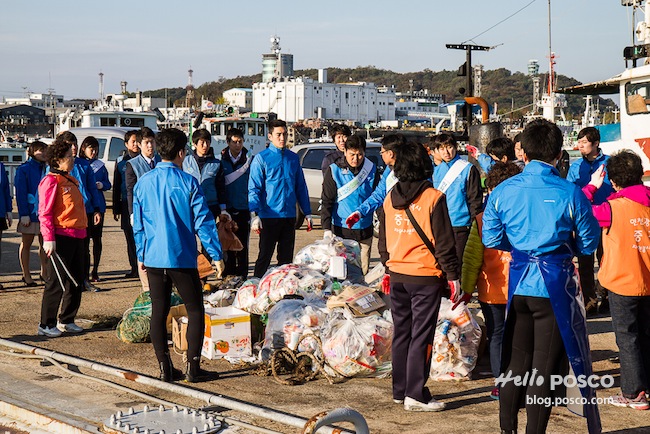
(255, 130)
(633, 87)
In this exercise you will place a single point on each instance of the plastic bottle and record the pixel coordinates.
(336, 287)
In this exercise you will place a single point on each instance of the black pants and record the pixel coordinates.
(189, 287)
(280, 232)
(237, 262)
(71, 252)
(94, 232)
(531, 341)
(130, 239)
(461, 234)
(586, 273)
(415, 312)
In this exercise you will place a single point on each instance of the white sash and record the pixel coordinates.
(96, 165)
(391, 180)
(234, 176)
(452, 174)
(355, 182)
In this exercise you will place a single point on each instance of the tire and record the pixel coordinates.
(300, 218)
(375, 225)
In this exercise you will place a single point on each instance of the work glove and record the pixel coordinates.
(99, 185)
(385, 284)
(49, 247)
(225, 216)
(310, 222)
(464, 299)
(25, 220)
(598, 177)
(327, 235)
(353, 219)
(256, 224)
(9, 218)
(472, 151)
(220, 267)
(454, 290)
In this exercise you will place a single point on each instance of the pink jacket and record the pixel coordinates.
(603, 212)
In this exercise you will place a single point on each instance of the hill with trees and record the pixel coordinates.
(513, 92)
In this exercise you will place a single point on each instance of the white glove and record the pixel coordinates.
(220, 267)
(310, 222)
(99, 185)
(49, 247)
(456, 292)
(598, 177)
(9, 218)
(256, 224)
(225, 215)
(327, 235)
(25, 220)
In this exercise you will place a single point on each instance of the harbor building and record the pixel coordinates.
(40, 100)
(276, 64)
(239, 97)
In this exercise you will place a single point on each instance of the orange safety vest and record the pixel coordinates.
(492, 283)
(625, 269)
(408, 254)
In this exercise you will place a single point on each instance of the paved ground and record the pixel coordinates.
(469, 407)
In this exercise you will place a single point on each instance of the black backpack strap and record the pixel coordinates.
(418, 229)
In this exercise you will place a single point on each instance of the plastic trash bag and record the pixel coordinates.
(246, 295)
(317, 256)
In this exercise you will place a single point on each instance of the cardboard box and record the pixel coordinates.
(175, 311)
(361, 300)
(179, 333)
(227, 333)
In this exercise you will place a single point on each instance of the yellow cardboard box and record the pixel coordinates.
(227, 333)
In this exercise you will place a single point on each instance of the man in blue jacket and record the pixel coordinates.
(543, 220)
(169, 209)
(276, 183)
(580, 174)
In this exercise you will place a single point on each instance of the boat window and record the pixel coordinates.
(637, 98)
(108, 122)
(251, 129)
(314, 158)
(4, 158)
(116, 148)
(133, 122)
(228, 125)
(102, 146)
(260, 130)
(17, 158)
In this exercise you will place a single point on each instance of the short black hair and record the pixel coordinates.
(67, 137)
(128, 135)
(35, 146)
(625, 168)
(170, 141)
(501, 147)
(443, 139)
(275, 123)
(56, 151)
(146, 133)
(391, 142)
(542, 140)
(592, 134)
(201, 134)
(234, 132)
(499, 172)
(339, 129)
(412, 163)
(356, 142)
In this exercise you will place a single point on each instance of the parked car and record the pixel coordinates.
(311, 158)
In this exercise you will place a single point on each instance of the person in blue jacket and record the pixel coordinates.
(543, 220)
(580, 174)
(460, 181)
(275, 185)
(6, 206)
(89, 150)
(28, 176)
(83, 173)
(236, 163)
(169, 210)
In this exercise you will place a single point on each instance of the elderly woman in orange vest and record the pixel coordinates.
(625, 271)
(415, 220)
(487, 270)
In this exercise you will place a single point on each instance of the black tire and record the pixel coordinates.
(375, 225)
(300, 218)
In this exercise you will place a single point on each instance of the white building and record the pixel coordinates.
(239, 97)
(294, 99)
(40, 100)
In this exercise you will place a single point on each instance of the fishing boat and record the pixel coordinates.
(255, 131)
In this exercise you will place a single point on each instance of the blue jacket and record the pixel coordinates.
(5, 193)
(236, 189)
(86, 177)
(134, 169)
(276, 183)
(168, 210)
(580, 174)
(101, 175)
(342, 208)
(464, 195)
(207, 177)
(538, 213)
(377, 197)
(28, 176)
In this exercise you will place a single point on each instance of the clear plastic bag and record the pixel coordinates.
(246, 295)
(317, 255)
(455, 345)
(357, 347)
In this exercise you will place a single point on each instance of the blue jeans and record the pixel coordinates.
(631, 322)
(495, 319)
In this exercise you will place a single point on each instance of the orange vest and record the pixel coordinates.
(408, 254)
(492, 283)
(69, 210)
(625, 269)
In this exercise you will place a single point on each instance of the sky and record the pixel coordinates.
(65, 44)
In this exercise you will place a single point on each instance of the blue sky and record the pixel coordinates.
(151, 44)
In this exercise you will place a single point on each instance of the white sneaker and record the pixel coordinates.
(411, 404)
(398, 401)
(70, 328)
(50, 332)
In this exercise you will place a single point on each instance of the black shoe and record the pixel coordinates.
(167, 371)
(591, 307)
(508, 431)
(30, 284)
(195, 374)
(603, 306)
(131, 275)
